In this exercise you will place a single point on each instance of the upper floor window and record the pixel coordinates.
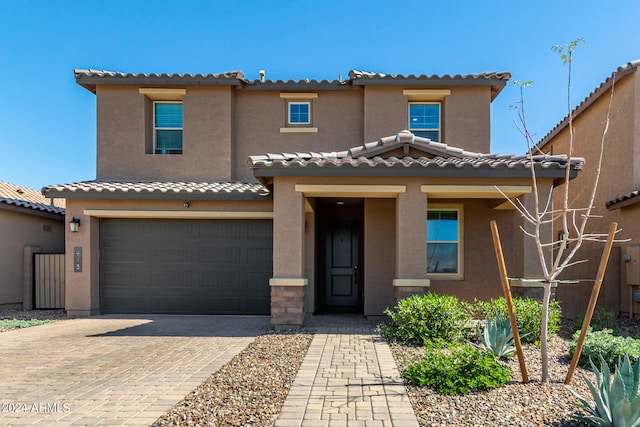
(443, 242)
(299, 113)
(167, 127)
(424, 119)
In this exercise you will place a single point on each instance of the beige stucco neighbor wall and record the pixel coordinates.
(124, 119)
(620, 175)
(82, 288)
(17, 230)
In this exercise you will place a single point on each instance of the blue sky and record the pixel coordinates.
(48, 122)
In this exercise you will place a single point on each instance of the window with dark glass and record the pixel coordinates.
(299, 113)
(443, 242)
(167, 127)
(424, 119)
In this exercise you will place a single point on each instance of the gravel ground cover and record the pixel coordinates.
(249, 390)
(515, 404)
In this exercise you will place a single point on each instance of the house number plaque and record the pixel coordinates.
(77, 259)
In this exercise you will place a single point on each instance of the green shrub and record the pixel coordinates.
(604, 343)
(601, 319)
(421, 318)
(19, 324)
(616, 403)
(528, 315)
(461, 369)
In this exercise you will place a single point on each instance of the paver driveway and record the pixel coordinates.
(113, 370)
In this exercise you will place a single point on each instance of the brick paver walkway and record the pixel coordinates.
(112, 370)
(348, 378)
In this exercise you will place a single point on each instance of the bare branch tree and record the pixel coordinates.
(574, 220)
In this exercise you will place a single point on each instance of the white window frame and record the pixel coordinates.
(438, 129)
(291, 103)
(155, 128)
(458, 208)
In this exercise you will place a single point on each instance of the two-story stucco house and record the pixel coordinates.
(618, 188)
(216, 194)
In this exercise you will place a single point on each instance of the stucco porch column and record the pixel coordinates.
(81, 264)
(411, 243)
(288, 284)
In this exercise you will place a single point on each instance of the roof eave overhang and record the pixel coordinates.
(435, 172)
(133, 195)
(91, 82)
(623, 204)
(31, 211)
(496, 84)
(313, 85)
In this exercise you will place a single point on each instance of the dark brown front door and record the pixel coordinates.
(341, 287)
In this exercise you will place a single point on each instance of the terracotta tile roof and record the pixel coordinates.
(11, 194)
(605, 86)
(624, 200)
(158, 189)
(364, 77)
(433, 155)
(89, 78)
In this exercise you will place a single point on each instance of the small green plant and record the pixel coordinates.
(497, 337)
(19, 324)
(421, 318)
(601, 319)
(528, 315)
(461, 369)
(606, 345)
(616, 403)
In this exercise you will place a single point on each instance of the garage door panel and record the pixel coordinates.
(229, 229)
(172, 254)
(221, 254)
(186, 266)
(131, 230)
(122, 255)
(259, 255)
(172, 229)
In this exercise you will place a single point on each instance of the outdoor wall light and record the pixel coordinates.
(74, 225)
(186, 204)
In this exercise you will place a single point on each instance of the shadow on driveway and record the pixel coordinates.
(189, 326)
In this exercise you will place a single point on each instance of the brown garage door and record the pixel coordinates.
(185, 266)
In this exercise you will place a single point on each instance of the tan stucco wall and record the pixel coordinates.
(17, 230)
(379, 255)
(258, 117)
(481, 276)
(123, 116)
(466, 115)
(223, 126)
(620, 175)
(82, 288)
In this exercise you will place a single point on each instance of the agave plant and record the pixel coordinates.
(498, 337)
(616, 403)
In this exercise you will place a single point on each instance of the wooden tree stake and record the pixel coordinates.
(507, 296)
(592, 302)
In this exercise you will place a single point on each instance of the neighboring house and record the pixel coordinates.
(617, 197)
(29, 222)
(215, 194)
